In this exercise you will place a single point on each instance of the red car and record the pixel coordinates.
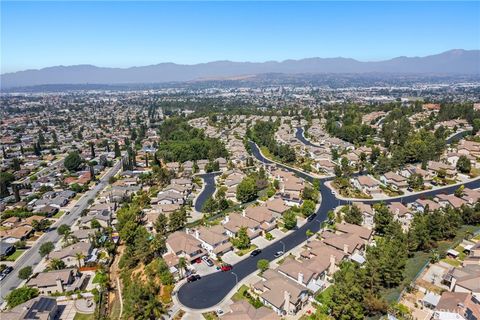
(226, 267)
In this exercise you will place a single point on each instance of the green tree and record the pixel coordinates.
(56, 264)
(290, 220)
(246, 190)
(161, 224)
(382, 219)
(463, 164)
(347, 293)
(353, 215)
(116, 149)
(73, 161)
(241, 240)
(63, 229)
(263, 265)
(25, 273)
(415, 181)
(308, 207)
(177, 219)
(46, 248)
(210, 205)
(21, 295)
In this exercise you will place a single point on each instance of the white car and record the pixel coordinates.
(219, 312)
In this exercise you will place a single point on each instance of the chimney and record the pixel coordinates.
(197, 234)
(227, 218)
(59, 285)
(331, 268)
(286, 303)
(345, 248)
(300, 278)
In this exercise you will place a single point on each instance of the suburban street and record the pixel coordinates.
(211, 289)
(207, 191)
(31, 257)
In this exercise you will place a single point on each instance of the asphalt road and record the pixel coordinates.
(208, 189)
(211, 289)
(32, 257)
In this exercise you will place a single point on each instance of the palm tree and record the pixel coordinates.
(80, 256)
(182, 263)
(56, 264)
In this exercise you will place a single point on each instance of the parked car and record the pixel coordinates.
(219, 312)
(193, 277)
(311, 217)
(278, 254)
(226, 267)
(207, 261)
(7, 270)
(255, 252)
(2, 276)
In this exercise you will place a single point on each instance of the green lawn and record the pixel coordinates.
(14, 256)
(452, 262)
(239, 294)
(242, 252)
(59, 214)
(82, 316)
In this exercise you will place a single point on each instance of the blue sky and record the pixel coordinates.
(123, 34)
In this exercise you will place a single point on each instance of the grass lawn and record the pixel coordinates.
(239, 294)
(210, 315)
(59, 214)
(452, 262)
(242, 252)
(14, 256)
(83, 316)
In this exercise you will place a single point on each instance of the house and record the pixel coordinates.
(234, 221)
(243, 310)
(277, 206)
(436, 167)
(457, 305)
(401, 213)
(471, 196)
(411, 169)
(464, 279)
(394, 180)
(450, 200)
(261, 215)
(473, 257)
(73, 255)
(184, 245)
(38, 308)
(57, 281)
(421, 204)
(169, 197)
(173, 166)
(310, 273)
(366, 184)
(367, 213)
(214, 239)
(103, 217)
(283, 295)
(16, 234)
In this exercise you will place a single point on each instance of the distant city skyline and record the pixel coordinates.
(124, 34)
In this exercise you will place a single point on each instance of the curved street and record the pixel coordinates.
(207, 191)
(212, 289)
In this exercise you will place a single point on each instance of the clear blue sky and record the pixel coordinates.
(123, 34)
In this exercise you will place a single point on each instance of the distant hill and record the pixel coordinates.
(447, 63)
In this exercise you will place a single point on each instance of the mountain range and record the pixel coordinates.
(453, 62)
